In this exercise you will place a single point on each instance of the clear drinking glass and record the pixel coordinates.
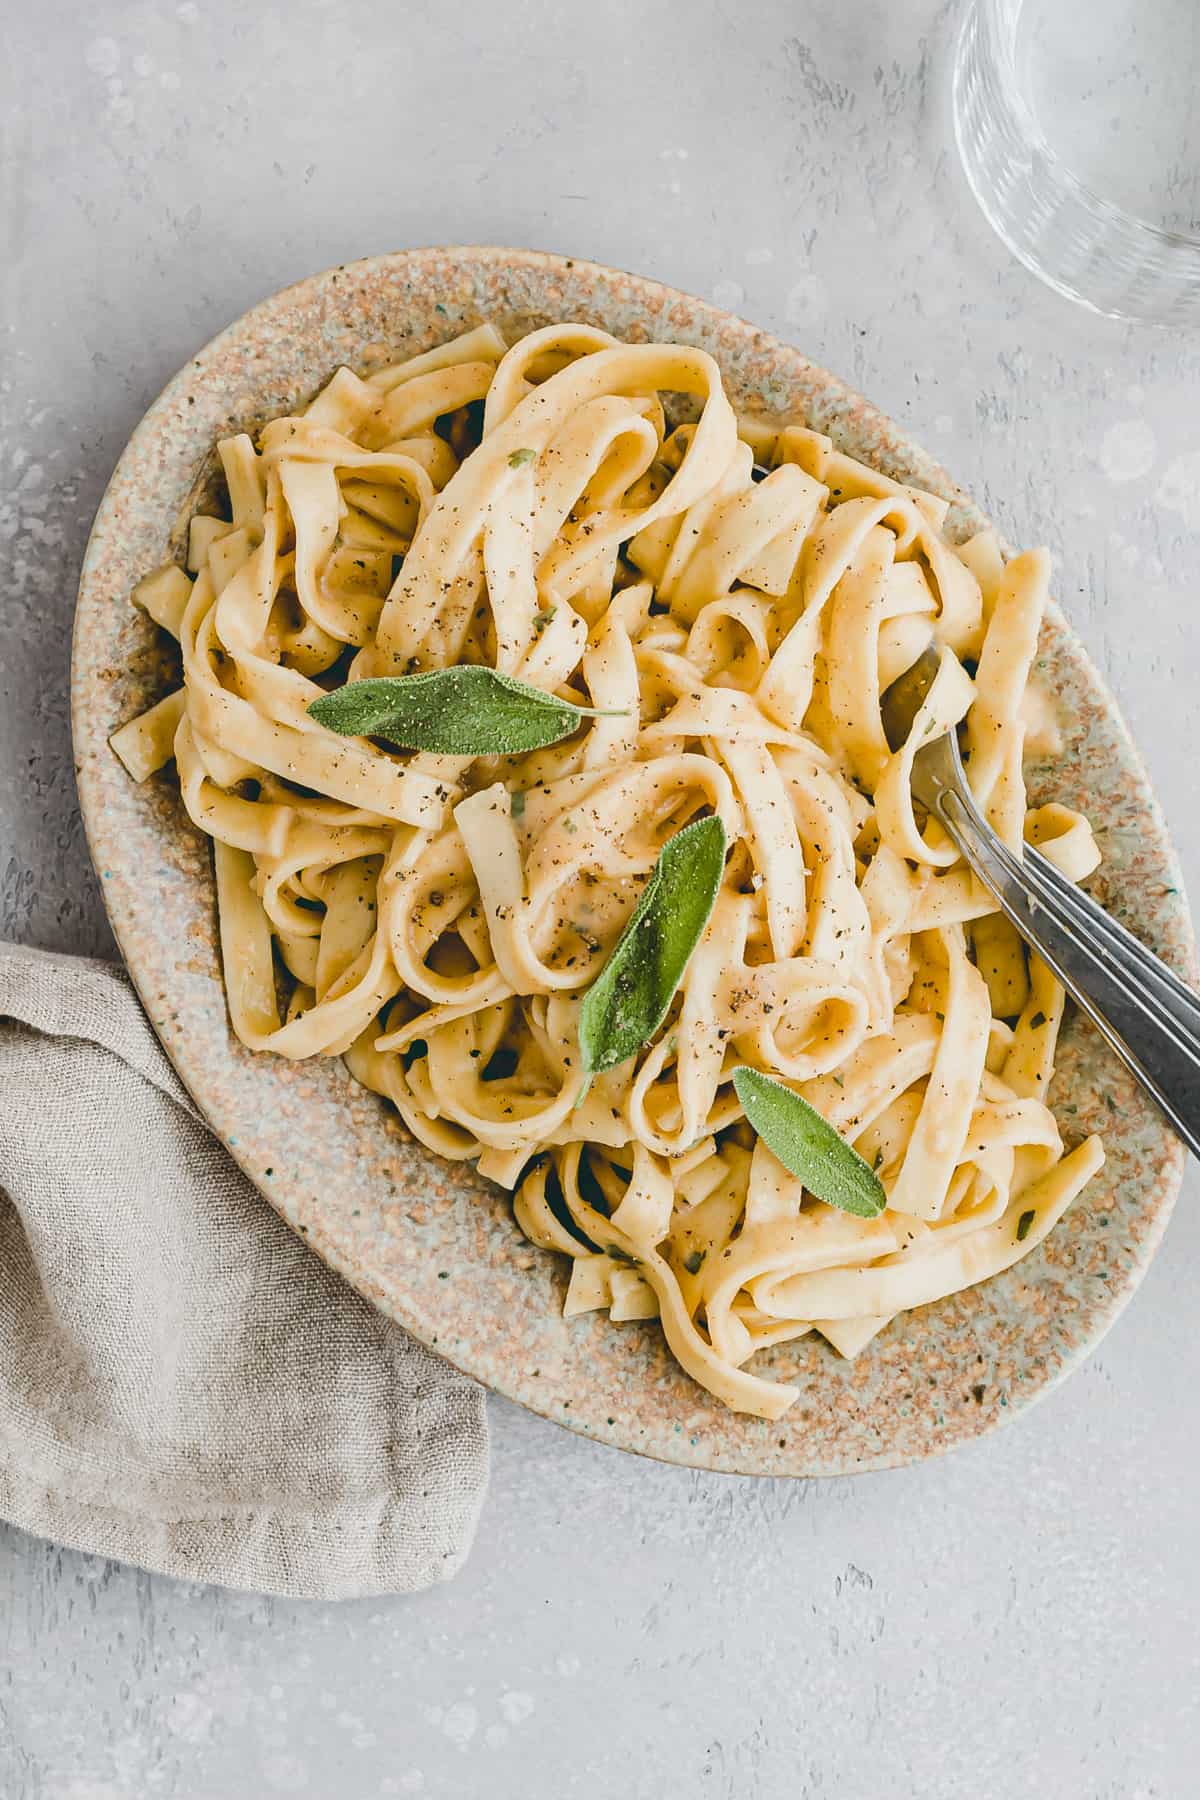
(1078, 124)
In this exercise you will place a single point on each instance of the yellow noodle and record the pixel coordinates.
(437, 920)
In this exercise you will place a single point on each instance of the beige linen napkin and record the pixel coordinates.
(182, 1384)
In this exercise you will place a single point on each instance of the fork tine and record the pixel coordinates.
(1144, 1013)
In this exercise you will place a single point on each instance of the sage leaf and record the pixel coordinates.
(466, 711)
(629, 999)
(808, 1145)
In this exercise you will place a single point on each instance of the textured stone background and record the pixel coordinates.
(1017, 1620)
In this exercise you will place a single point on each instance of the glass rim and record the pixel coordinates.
(1008, 128)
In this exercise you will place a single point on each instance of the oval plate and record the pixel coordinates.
(429, 1242)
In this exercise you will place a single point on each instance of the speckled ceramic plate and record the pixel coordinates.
(430, 1243)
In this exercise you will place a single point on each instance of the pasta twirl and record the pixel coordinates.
(438, 919)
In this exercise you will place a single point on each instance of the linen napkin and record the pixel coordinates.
(183, 1385)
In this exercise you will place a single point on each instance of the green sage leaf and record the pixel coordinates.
(467, 711)
(808, 1145)
(629, 999)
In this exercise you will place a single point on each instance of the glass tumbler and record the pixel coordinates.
(1078, 124)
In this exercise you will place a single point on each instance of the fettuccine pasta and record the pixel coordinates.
(437, 920)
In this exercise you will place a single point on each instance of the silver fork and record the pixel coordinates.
(1138, 1005)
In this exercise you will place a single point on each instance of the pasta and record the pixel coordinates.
(438, 919)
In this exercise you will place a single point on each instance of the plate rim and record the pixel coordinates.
(90, 782)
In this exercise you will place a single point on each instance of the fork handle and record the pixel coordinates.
(1142, 1010)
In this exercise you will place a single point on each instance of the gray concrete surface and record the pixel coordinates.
(1016, 1620)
